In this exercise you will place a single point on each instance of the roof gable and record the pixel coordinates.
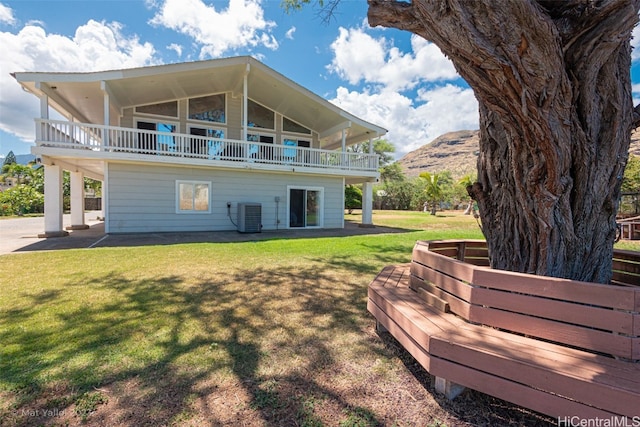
(82, 94)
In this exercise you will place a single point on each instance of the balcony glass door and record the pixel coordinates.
(305, 207)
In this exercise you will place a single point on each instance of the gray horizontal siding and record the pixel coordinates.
(141, 198)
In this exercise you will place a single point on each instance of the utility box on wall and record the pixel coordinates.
(249, 217)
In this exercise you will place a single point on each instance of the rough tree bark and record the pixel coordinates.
(552, 79)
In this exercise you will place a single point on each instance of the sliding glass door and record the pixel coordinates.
(305, 207)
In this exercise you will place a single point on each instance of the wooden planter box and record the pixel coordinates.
(557, 346)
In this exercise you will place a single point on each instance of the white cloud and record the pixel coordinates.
(176, 48)
(635, 43)
(290, 32)
(6, 15)
(94, 46)
(408, 93)
(240, 25)
(411, 124)
(360, 57)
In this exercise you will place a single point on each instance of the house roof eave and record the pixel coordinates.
(83, 93)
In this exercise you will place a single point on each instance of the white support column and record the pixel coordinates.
(77, 202)
(344, 147)
(44, 114)
(103, 209)
(105, 199)
(53, 204)
(107, 119)
(245, 103)
(367, 205)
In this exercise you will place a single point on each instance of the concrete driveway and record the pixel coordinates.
(21, 235)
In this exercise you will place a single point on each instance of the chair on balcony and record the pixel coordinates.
(215, 149)
(289, 154)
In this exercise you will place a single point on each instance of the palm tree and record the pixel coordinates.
(433, 190)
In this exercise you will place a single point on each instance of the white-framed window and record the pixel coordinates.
(193, 197)
(260, 116)
(166, 109)
(290, 126)
(305, 206)
(210, 108)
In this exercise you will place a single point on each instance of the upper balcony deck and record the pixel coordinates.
(110, 142)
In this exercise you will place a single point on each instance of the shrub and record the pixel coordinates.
(21, 199)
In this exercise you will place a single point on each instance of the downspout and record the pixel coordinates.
(245, 103)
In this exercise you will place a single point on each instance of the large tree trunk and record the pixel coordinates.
(553, 82)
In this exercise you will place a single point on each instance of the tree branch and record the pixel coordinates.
(393, 14)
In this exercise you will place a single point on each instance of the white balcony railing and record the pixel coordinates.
(110, 139)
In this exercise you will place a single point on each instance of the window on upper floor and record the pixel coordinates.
(291, 126)
(211, 108)
(168, 109)
(260, 116)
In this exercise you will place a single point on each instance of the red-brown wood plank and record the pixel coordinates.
(632, 256)
(475, 252)
(589, 293)
(456, 305)
(405, 308)
(449, 284)
(581, 375)
(510, 391)
(626, 265)
(554, 357)
(478, 262)
(563, 311)
(391, 275)
(591, 339)
(622, 278)
(618, 297)
(448, 252)
(568, 384)
(448, 266)
(408, 342)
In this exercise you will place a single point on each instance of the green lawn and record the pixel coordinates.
(262, 331)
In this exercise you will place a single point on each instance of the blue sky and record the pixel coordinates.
(385, 76)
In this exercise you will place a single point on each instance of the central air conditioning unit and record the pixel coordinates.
(249, 217)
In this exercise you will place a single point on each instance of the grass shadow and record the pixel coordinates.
(162, 344)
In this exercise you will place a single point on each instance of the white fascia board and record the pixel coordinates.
(67, 77)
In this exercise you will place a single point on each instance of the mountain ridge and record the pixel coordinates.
(457, 152)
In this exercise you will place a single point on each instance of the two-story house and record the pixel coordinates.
(221, 144)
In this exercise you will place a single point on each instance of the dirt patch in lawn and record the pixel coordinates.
(395, 391)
